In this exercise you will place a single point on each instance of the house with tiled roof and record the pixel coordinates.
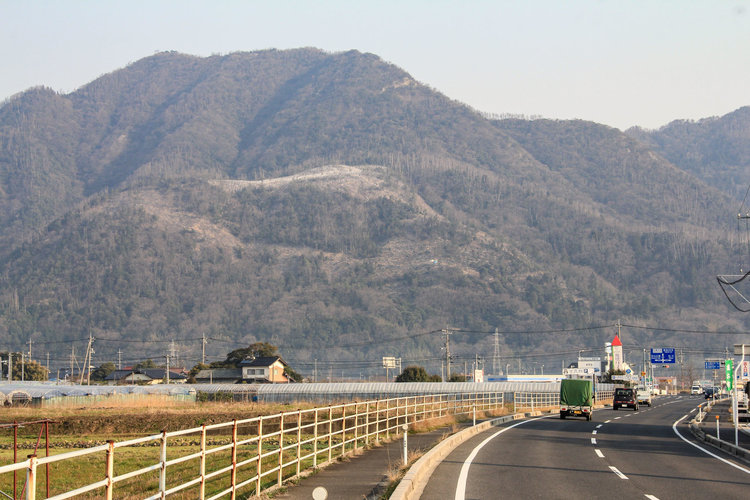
(264, 370)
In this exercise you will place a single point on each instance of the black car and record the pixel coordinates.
(625, 398)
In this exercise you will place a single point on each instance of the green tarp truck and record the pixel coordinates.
(576, 398)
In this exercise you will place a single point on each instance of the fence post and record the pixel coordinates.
(202, 491)
(343, 429)
(515, 398)
(299, 439)
(356, 425)
(260, 456)
(367, 423)
(377, 421)
(163, 471)
(280, 474)
(387, 419)
(234, 459)
(110, 469)
(315, 440)
(330, 433)
(31, 478)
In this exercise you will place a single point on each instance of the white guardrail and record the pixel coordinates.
(242, 456)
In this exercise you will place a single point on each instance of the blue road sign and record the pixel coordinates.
(713, 365)
(663, 355)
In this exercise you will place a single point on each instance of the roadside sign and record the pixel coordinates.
(389, 362)
(745, 371)
(729, 373)
(713, 365)
(663, 355)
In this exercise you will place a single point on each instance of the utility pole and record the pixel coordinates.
(119, 359)
(167, 371)
(29, 348)
(496, 354)
(447, 334)
(315, 371)
(203, 349)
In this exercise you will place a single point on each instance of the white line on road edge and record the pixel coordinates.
(464, 475)
(593, 440)
(620, 474)
(674, 428)
(599, 453)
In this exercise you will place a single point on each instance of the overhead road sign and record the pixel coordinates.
(663, 355)
(713, 365)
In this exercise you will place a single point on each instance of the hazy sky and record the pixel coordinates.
(617, 62)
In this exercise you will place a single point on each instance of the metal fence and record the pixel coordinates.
(242, 456)
(531, 401)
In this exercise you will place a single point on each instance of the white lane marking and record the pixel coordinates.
(620, 474)
(599, 453)
(652, 497)
(691, 411)
(464, 474)
(674, 428)
(618, 418)
(593, 440)
(607, 421)
(593, 432)
(599, 426)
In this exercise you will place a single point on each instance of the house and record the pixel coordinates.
(219, 376)
(264, 369)
(147, 376)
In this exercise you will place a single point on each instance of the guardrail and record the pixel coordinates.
(242, 456)
(533, 401)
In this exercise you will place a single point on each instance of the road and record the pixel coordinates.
(619, 454)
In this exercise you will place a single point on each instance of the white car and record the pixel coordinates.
(696, 389)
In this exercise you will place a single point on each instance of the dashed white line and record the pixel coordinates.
(652, 497)
(618, 418)
(599, 453)
(619, 474)
(593, 432)
(599, 426)
(607, 421)
(593, 440)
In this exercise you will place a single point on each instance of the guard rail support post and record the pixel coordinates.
(330, 433)
(356, 425)
(31, 479)
(280, 474)
(299, 440)
(163, 470)
(343, 429)
(367, 423)
(202, 491)
(515, 408)
(315, 440)
(234, 459)
(260, 456)
(110, 460)
(377, 421)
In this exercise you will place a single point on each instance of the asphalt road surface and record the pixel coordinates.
(619, 454)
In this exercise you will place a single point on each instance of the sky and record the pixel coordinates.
(621, 63)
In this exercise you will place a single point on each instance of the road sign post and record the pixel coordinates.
(663, 355)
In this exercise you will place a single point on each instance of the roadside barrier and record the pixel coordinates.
(246, 456)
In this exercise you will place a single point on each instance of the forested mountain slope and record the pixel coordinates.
(330, 203)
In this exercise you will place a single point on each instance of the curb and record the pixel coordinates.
(736, 451)
(415, 479)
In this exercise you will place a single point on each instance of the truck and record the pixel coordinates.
(643, 396)
(576, 398)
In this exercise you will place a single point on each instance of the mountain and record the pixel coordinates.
(334, 206)
(716, 150)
